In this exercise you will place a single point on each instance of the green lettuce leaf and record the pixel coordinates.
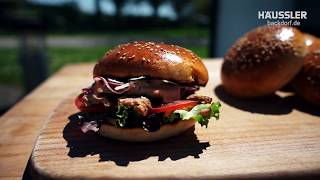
(170, 118)
(194, 113)
(121, 115)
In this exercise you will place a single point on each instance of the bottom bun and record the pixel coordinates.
(141, 135)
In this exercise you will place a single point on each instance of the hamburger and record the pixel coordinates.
(145, 91)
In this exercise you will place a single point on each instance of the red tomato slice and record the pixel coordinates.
(174, 106)
(79, 102)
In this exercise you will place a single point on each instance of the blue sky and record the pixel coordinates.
(107, 7)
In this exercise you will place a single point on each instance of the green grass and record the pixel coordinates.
(200, 51)
(58, 57)
(10, 71)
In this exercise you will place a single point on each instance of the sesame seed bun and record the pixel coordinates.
(310, 41)
(307, 82)
(141, 135)
(262, 61)
(154, 60)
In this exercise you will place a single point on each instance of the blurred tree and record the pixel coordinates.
(97, 14)
(179, 6)
(202, 11)
(202, 6)
(65, 17)
(11, 13)
(119, 4)
(97, 8)
(155, 5)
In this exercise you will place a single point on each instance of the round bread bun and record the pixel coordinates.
(141, 135)
(156, 60)
(262, 61)
(310, 41)
(307, 82)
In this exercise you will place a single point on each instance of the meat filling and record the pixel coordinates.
(92, 99)
(141, 105)
(153, 88)
(200, 99)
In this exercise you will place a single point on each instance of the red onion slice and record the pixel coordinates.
(114, 83)
(89, 126)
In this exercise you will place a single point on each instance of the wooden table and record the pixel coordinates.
(21, 125)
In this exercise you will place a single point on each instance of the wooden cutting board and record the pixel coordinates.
(277, 136)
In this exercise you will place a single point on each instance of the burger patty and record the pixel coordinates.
(201, 99)
(155, 89)
(92, 99)
(141, 105)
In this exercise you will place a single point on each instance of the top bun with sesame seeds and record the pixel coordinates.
(263, 60)
(307, 82)
(156, 60)
(310, 40)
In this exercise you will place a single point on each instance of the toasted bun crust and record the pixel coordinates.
(140, 135)
(310, 40)
(155, 60)
(263, 60)
(307, 82)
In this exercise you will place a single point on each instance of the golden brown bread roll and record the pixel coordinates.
(307, 82)
(262, 61)
(310, 41)
(156, 60)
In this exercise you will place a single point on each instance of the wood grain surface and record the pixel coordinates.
(272, 137)
(21, 125)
